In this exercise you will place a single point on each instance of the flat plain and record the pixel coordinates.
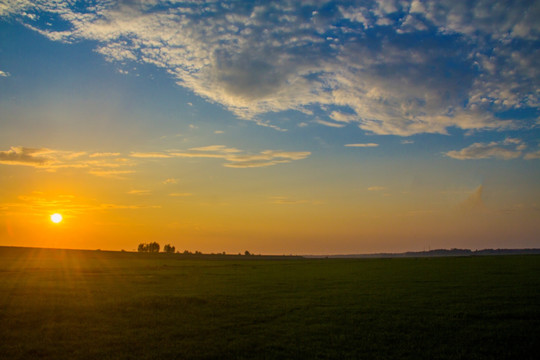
(72, 304)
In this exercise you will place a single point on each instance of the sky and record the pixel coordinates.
(283, 127)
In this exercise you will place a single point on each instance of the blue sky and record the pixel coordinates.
(408, 100)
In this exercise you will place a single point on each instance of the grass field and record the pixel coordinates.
(61, 304)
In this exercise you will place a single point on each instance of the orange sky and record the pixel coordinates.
(281, 128)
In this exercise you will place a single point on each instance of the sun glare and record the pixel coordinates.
(56, 218)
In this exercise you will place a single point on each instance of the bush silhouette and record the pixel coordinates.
(142, 247)
(169, 249)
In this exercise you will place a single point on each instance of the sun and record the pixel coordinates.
(56, 218)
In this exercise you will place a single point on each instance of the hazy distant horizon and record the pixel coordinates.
(421, 253)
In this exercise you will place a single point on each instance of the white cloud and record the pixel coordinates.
(275, 57)
(238, 159)
(506, 150)
(4, 74)
(532, 155)
(328, 123)
(341, 117)
(235, 158)
(363, 145)
(502, 20)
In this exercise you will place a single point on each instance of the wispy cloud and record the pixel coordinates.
(104, 154)
(341, 117)
(328, 123)
(236, 158)
(216, 148)
(506, 150)
(138, 192)
(74, 155)
(150, 155)
(113, 174)
(127, 207)
(112, 165)
(393, 67)
(4, 74)
(19, 155)
(53, 160)
(532, 155)
(180, 194)
(376, 188)
(362, 145)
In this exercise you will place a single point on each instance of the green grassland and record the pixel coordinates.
(66, 304)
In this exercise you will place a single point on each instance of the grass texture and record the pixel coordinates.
(69, 304)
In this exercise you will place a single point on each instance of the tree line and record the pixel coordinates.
(154, 247)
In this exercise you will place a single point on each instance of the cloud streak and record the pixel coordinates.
(104, 154)
(389, 67)
(54, 160)
(150, 155)
(113, 165)
(236, 158)
(365, 145)
(505, 150)
(532, 156)
(19, 155)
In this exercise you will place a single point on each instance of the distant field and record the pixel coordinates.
(61, 304)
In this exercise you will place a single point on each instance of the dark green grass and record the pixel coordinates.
(59, 304)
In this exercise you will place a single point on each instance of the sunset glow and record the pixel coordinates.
(281, 128)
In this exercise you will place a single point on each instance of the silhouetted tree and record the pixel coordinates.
(169, 249)
(151, 247)
(142, 247)
(247, 253)
(186, 252)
